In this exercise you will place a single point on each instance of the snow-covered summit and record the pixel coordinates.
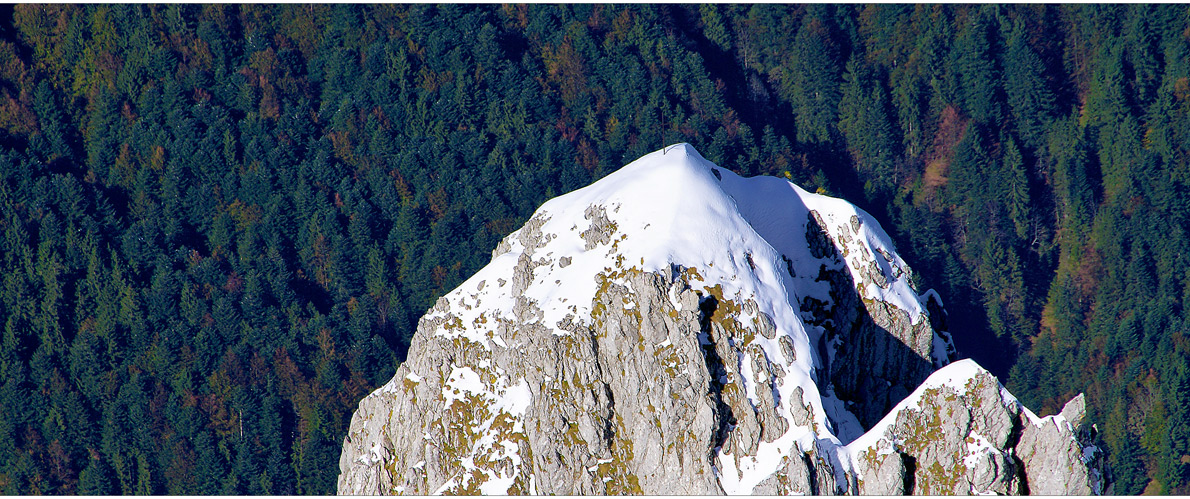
(674, 206)
(671, 328)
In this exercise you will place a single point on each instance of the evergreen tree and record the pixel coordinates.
(978, 84)
(812, 84)
(95, 479)
(713, 27)
(1026, 89)
(1017, 199)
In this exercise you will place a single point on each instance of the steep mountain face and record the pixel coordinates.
(677, 329)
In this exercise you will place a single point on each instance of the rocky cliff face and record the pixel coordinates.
(677, 329)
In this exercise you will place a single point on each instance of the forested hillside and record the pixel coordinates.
(221, 223)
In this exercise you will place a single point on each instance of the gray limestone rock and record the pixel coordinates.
(622, 405)
(1055, 462)
(601, 228)
(886, 474)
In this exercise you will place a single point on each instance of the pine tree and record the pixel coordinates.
(51, 143)
(713, 27)
(978, 82)
(95, 479)
(1018, 189)
(1028, 94)
(812, 84)
(868, 128)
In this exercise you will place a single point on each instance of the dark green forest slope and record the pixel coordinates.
(221, 223)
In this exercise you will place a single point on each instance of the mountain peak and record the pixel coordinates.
(671, 328)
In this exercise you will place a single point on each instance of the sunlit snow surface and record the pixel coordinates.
(673, 207)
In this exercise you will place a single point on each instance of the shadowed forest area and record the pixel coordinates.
(221, 223)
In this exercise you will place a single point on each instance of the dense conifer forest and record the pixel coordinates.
(221, 223)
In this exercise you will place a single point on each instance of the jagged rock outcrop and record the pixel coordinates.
(1053, 457)
(677, 329)
(961, 432)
